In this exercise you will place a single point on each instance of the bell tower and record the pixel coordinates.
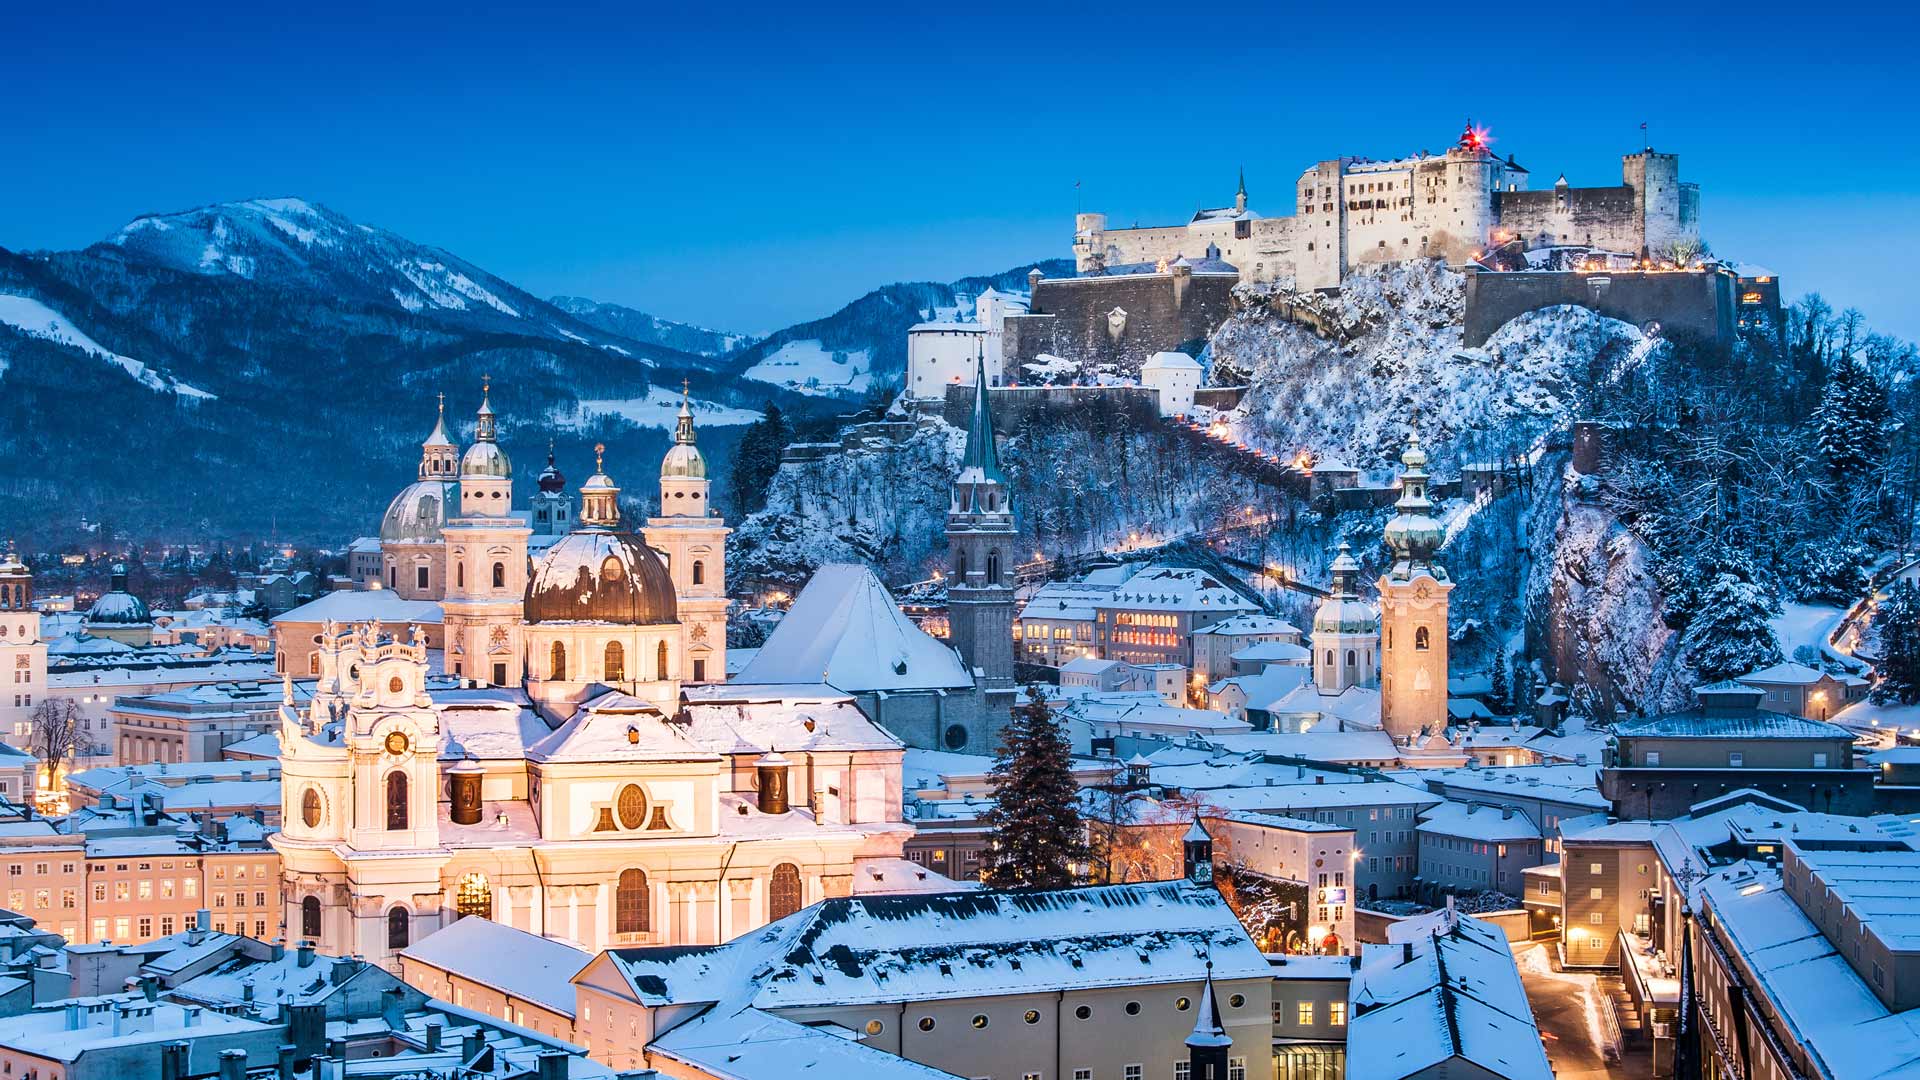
(1346, 633)
(980, 555)
(1413, 612)
(486, 564)
(23, 656)
(692, 538)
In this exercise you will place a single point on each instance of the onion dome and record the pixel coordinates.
(1414, 534)
(684, 459)
(1343, 612)
(418, 513)
(602, 576)
(484, 457)
(117, 606)
(550, 480)
(438, 452)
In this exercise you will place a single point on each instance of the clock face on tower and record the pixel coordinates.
(396, 742)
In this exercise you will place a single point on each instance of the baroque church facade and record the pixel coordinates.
(586, 774)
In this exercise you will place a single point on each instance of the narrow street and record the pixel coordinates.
(1567, 1007)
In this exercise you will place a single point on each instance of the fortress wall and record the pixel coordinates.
(1069, 318)
(1698, 303)
(1604, 217)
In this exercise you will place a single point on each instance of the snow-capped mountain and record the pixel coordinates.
(640, 326)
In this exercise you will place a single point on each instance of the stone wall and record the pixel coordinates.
(1074, 318)
(1013, 405)
(1700, 303)
(1605, 217)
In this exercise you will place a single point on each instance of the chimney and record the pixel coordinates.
(306, 953)
(343, 969)
(150, 987)
(190, 1015)
(73, 1016)
(306, 1028)
(391, 1013)
(277, 950)
(1406, 952)
(246, 989)
(284, 1061)
(771, 771)
(173, 1061)
(1506, 811)
(470, 1046)
(203, 919)
(233, 1065)
(336, 1048)
(435, 1029)
(553, 1064)
(1353, 962)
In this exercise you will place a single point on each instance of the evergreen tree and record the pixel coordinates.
(756, 460)
(1037, 835)
(1897, 622)
(1730, 633)
(1850, 423)
(1502, 681)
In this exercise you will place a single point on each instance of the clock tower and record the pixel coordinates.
(1413, 612)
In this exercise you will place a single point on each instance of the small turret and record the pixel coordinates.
(1209, 1042)
(1196, 855)
(600, 496)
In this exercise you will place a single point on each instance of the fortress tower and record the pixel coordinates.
(693, 538)
(980, 537)
(1668, 210)
(1413, 612)
(486, 564)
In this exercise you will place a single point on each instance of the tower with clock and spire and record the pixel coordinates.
(1413, 612)
(980, 550)
(692, 537)
(486, 552)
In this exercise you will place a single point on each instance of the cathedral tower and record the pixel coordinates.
(23, 655)
(693, 539)
(413, 561)
(552, 509)
(1346, 633)
(486, 551)
(1413, 612)
(980, 537)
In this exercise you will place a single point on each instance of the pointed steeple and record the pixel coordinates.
(483, 428)
(1687, 1052)
(683, 431)
(439, 435)
(980, 449)
(1240, 196)
(438, 452)
(683, 460)
(1207, 1046)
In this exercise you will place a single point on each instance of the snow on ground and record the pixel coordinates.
(1805, 624)
(810, 368)
(660, 408)
(449, 288)
(1533, 961)
(1873, 716)
(38, 319)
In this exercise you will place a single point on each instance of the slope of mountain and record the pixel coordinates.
(223, 369)
(640, 326)
(864, 344)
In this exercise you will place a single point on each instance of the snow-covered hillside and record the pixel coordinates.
(808, 367)
(659, 409)
(1392, 358)
(30, 315)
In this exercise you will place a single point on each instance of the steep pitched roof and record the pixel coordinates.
(981, 454)
(844, 630)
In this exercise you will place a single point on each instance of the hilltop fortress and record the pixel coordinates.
(1351, 212)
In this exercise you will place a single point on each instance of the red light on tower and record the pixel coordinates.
(1475, 138)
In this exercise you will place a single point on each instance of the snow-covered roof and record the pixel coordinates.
(1313, 796)
(1066, 600)
(1573, 784)
(1089, 665)
(1170, 361)
(1271, 685)
(1272, 652)
(1708, 725)
(1787, 673)
(845, 630)
(750, 1044)
(1334, 747)
(361, 605)
(1144, 710)
(509, 960)
(1455, 995)
(1177, 588)
(1477, 821)
(1247, 625)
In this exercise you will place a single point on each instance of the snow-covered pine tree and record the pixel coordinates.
(1730, 632)
(1502, 680)
(1850, 422)
(1897, 624)
(1036, 833)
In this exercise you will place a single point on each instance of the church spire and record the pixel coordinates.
(1240, 196)
(483, 428)
(600, 496)
(437, 453)
(1207, 1046)
(683, 430)
(980, 450)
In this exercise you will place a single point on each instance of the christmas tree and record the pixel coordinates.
(1037, 836)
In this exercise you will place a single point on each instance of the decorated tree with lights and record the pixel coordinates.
(1037, 839)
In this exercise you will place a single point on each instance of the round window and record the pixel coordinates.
(875, 1027)
(610, 570)
(310, 808)
(979, 1020)
(1236, 1001)
(1032, 1016)
(1182, 1004)
(926, 1023)
(394, 685)
(1133, 1008)
(632, 807)
(1082, 1013)
(956, 736)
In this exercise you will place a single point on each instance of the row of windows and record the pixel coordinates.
(613, 662)
(1081, 1012)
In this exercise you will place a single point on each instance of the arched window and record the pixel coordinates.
(460, 574)
(783, 892)
(557, 662)
(1420, 639)
(1349, 657)
(993, 567)
(699, 572)
(499, 575)
(660, 662)
(310, 808)
(1329, 657)
(310, 917)
(399, 927)
(960, 565)
(473, 896)
(630, 903)
(396, 800)
(616, 662)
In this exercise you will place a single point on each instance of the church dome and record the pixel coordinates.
(684, 460)
(117, 606)
(550, 480)
(485, 458)
(417, 514)
(598, 575)
(1345, 615)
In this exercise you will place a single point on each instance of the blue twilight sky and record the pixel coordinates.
(747, 166)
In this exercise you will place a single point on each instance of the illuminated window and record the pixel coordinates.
(557, 662)
(473, 896)
(630, 903)
(616, 662)
(783, 892)
(1305, 1012)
